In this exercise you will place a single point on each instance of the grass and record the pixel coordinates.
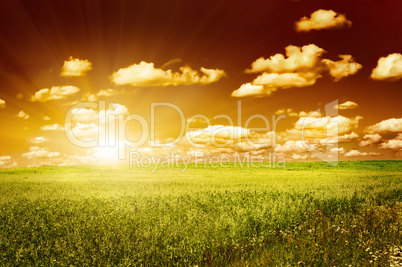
(307, 214)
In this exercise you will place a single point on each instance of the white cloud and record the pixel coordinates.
(323, 19)
(76, 67)
(249, 89)
(347, 105)
(357, 153)
(295, 146)
(23, 115)
(390, 125)
(339, 150)
(393, 144)
(40, 153)
(85, 115)
(298, 58)
(313, 114)
(52, 127)
(289, 112)
(86, 122)
(370, 139)
(46, 118)
(272, 81)
(388, 68)
(56, 92)
(326, 126)
(339, 139)
(2, 103)
(92, 97)
(301, 67)
(228, 136)
(39, 140)
(300, 157)
(342, 68)
(7, 162)
(145, 74)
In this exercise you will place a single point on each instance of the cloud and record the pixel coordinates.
(390, 125)
(249, 89)
(357, 153)
(52, 127)
(342, 68)
(295, 146)
(388, 68)
(7, 162)
(228, 136)
(314, 114)
(214, 140)
(22, 115)
(298, 59)
(392, 144)
(301, 67)
(347, 105)
(171, 62)
(323, 19)
(2, 103)
(40, 153)
(86, 122)
(76, 67)
(272, 81)
(339, 139)
(339, 150)
(145, 74)
(371, 139)
(95, 96)
(39, 140)
(326, 126)
(46, 118)
(56, 92)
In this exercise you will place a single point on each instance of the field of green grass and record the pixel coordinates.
(306, 214)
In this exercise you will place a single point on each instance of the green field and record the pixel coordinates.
(307, 214)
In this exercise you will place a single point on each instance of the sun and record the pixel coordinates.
(107, 153)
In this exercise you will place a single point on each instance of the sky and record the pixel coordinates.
(81, 81)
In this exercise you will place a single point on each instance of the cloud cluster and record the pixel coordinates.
(52, 127)
(23, 115)
(357, 153)
(388, 68)
(40, 153)
(342, 68)
(76, 67)
(237, 138)
(301, 67)
(2, 103)
(389, 125)
(39, 140)
(86, 122)
(56, 92)
(347, 105)
(290, 113)
(322, 19)
(325, 126)
(393, 144)
(7, 162)
(297, 59)
(92, 97)
(371, 139)
(145, 74)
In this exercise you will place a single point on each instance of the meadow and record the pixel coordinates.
(306, 214)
